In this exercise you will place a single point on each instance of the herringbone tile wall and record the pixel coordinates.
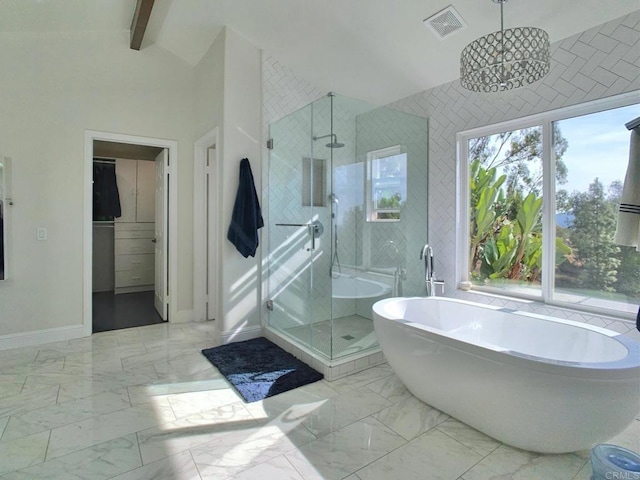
(598, 63)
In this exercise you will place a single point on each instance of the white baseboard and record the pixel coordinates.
(241, 335)
(38, 337)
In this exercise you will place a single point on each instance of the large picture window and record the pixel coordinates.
(538, 206)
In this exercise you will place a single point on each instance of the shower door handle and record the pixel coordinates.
(315, 228)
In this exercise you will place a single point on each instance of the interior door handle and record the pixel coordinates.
(153, 240)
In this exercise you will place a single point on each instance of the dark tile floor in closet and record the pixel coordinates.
(126, 310)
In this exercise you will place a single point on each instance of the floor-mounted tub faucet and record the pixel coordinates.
(429, 279)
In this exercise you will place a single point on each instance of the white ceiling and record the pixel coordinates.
(375, 50)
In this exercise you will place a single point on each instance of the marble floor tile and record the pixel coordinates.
(411, 417)
(35, 367)
(29, 398)
(185, 433)
(293, 402)
(185, 404)
(144, 403)
(172, 376)
(10, 380)
(55, 378)
(175, 467)
(23, 452)
(432, 456)
(362, 378)
(629, 438)
(61, 414)
(85, 386)
(278, 468)
(188, 364)
(10, 389)
(391, 388)
(338, 411)
(79, 435)
(469, 437)
(510, 463)
(18, 356)
(98, 462)
(235, 452)
(139, 394)
(3, 425)
(585, 472)
(105, 339)
(344, 451)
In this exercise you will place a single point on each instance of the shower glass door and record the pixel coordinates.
(298, 182)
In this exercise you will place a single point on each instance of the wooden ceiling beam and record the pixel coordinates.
(139, 22)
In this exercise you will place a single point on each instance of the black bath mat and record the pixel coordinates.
(259, 369)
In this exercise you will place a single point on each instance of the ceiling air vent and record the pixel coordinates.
(445, 23)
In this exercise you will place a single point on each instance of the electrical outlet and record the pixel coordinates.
(41, 233)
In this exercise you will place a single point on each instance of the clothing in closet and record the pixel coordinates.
(106, 199)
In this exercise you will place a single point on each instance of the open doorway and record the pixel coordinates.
(129, 249)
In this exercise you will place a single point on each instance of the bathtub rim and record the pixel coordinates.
(385, 289)
(624, 368)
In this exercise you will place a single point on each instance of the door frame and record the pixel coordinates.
(206, 265)
(171, 227)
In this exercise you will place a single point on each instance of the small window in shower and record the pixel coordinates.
(386, 184)
(314, 182)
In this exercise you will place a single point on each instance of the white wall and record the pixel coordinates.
(54, 86)
(241, 139)
(230, 97)
(598, 63)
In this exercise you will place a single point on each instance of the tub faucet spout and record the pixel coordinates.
(430, 281)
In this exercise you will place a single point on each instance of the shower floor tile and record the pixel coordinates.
(347, 335)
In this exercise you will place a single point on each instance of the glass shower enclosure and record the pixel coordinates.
(347, 217)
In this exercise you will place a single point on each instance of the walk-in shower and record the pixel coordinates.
(339, 164)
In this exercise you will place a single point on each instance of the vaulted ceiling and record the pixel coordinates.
(375, 50)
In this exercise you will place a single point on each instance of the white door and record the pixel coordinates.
(161, 297)
(126, 178)
(211, 235)
(146, 186)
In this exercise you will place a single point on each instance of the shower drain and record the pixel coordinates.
(348, 337)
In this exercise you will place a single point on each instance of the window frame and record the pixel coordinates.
(371, 209)
(545, 121)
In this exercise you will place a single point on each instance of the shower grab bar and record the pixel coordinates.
(293, 224)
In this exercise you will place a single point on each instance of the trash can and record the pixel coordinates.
(611, 462)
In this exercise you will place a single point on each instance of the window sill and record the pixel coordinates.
(584, 309)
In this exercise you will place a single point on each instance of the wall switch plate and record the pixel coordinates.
(41, 233)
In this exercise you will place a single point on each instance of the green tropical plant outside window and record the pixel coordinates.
(506, 236)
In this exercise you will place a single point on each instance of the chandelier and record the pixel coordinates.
(505, 60)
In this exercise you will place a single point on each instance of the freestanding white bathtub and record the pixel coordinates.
(537, 383)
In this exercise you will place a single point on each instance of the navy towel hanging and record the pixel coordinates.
(247, 216)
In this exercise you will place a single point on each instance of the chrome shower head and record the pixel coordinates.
(334, 144)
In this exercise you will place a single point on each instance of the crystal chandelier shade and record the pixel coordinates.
(505, 59)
